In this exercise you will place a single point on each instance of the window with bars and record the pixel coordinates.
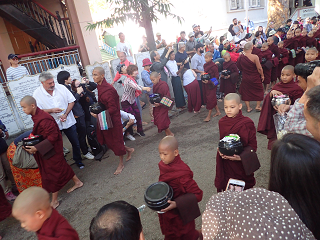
(235, 4)
(255, 3)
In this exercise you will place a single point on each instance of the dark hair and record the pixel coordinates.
(295, 174)
(313, 104)
(196, 34)
(152, 55)
(63, 76)
(261, 30)
(73, 85)
(234, 19)
(131, 68)
(116, 221)
(222, 39)
(248, 35)
(289, 20)
(257, 33)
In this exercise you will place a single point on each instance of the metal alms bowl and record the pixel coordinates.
(281, 99)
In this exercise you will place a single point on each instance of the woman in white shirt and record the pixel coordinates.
(176, 81)
(190, 84)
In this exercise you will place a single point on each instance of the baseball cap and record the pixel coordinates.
(199, 45)
(158, 34)
(194, 25)
(12, 56)
(272, 32)
(191, 35)
(225, 41)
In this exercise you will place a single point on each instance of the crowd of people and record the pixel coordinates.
(257, 67)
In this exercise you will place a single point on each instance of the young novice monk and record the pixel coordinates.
(311, 41)
(275, 60)
(228, 83)
(311, 54)
(209, 89)
(32, 208)
(234, 166)
(301, 44)
(292, 44)
(177, 221)
(286, 86)
(160, 111)
(283, 58)
(266, 63)
(55, 171)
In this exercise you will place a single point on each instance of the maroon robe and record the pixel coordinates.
(226, 169)
(194, 96)
(113, 137)
(301, 43)
(209, 90)
(275, 60)
(266, 69)
(5, 206)
(311, 42)
(251, 86)
(160, 114)
(229, 85)
(284, 61)
(179, 176)
(291, 44)
(54, 170)
(257, 52)
(57, 227)
(266, 122)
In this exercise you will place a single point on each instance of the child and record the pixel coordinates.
(191, 85)
(209, 89)
(266, 63)
(275, 60)
(234, 166)
(228, 83)
(311, 41)
(177, 221)
(301, 45)
(32, 208)
(311, 54)
(145, 75)
(283, 58)
(54, 170)
(291, 44)
(286, 86)
(160, 111)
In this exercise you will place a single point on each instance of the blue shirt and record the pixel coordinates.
(145, 75)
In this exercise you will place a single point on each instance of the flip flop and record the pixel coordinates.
(258, 109)
(249, 111)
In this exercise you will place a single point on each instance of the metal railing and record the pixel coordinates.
(3, 77)
(109, 49)
(59, 26)
(45, 60)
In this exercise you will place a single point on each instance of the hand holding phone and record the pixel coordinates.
(235, 185)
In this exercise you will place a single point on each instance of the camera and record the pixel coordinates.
(263, 60)
(155, 98)
(306, 69)
(2, 127)
(226, 73)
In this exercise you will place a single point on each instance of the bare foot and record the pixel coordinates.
(75, 186)
(202, 106)
(171, 134)
(119, 170)
(144, 123)
(130, 151)
(196, 111)
(217, 114)
(249, 110)
(54, 205)
(207, 119)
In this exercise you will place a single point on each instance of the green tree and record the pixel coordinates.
(143, 12)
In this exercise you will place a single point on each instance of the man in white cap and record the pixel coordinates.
(191, 45)
(160, 43)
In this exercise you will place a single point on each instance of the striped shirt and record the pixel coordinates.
(129, 90)
(14, 73)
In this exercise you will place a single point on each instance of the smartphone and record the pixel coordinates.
(235, 185)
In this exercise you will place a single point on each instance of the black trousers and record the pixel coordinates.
(82, 134)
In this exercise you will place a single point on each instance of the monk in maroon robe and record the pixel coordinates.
(311, 41)
(209, 88)
(275, 58)
(236, 166)
(266, 63)
(5, 206)
(32, 208)
(160, 111)
(54, 170)
(177, 221)
(301, 44)
(283, 58)
(113, 137)
(251, 88)
(291, 44)
(257, 52)
(286, 86)
(228, 83)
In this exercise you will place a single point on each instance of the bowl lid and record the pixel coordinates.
(157, 191)
(231, 138)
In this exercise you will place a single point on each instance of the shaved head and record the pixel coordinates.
(271, 39)
(226, 54)
(100, 70)
(312, 49)
(248, 46)
(265, 44)
(169, 142)
(289, 68)
(29, 100)
(208, 55)
(232, 97)
(31, 200)
(154, 75)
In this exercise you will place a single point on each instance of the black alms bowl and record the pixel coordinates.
(205, 76)
(155, 98)
(97, 108)
(230, 147)
(157, 196)
(32, 141)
